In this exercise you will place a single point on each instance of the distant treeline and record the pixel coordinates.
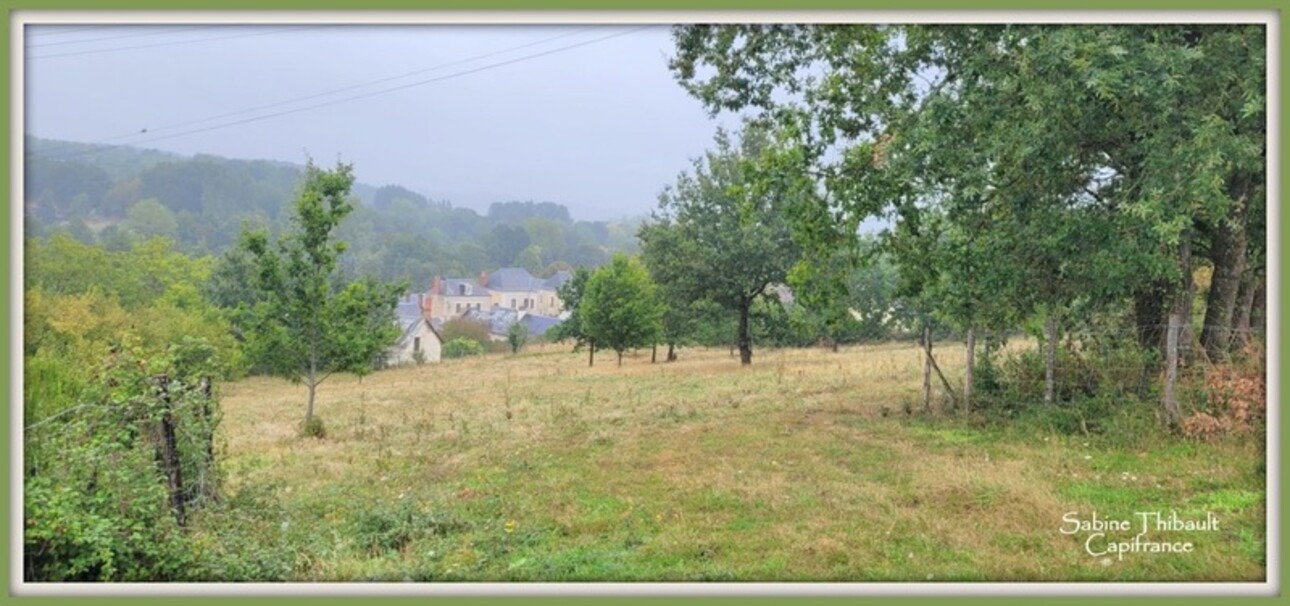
(114, 196)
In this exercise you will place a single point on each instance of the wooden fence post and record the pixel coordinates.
(170, 453)
(927, 368)
(1172, 414)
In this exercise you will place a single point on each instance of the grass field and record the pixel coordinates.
(804, 466)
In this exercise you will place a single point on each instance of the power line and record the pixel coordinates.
(174, 43)
(130, 35)
(344, 88)
(70, 29)
(378, 92)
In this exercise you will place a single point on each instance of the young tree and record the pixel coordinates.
(571, 293)
(309, 323)
(620, 308)
(720, 233)
(517, 335)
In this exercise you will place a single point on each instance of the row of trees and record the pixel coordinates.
(1028, 172)
(717, 254)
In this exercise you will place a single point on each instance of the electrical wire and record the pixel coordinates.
(173, 43)
(374, 93)
(256, 108)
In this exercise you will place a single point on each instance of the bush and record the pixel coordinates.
(96, 503)
(461, 328)
(313, 428)
(1108, 392)
(460, 348)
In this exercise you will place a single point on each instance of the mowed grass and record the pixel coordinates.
(803, 467)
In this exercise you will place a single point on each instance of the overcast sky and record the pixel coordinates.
(600, 127)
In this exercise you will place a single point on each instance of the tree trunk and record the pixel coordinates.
(591, 353)
(653, 354)
(745, 341)
(1050, 356)
(620, 358)
(313, 386)
(1241, 313)
(1228, 255)
(967, 378)
(1258, 315)
(1172, 414)
(1149, 314)
(927, 368)
(1185, 299)
(671, 352)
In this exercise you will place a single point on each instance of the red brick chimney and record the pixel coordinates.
(434, 286)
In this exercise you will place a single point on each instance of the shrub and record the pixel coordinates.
(314, 428)
(97, 506)
(462, 328)
(460, 348)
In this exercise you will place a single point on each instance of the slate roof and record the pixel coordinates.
(452, 287)
(408, 312)
(538, 325)
(409, 317)
(513, 279)
(557, 280)
(498, 319)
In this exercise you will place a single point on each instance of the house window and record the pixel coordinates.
(416, 344)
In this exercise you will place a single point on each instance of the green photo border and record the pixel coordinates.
(11, 330)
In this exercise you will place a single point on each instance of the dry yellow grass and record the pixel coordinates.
(802, 467)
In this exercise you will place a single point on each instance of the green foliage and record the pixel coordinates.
(720, 233)
(389, 527)
(96, 506)
(516, 336)
(571, 294)
(1030, 170)
(307, 321)
(1090, 385)
(467, 329)
(80, 300)
(620, 309)
(313, 427)
(460, 348)
(204, 201)
(149, 219)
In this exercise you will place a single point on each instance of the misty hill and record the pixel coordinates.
(113, 195)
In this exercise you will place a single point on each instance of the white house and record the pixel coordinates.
(418, 336)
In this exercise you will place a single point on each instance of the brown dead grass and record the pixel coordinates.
(800, 467)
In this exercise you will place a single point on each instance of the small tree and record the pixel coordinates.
(308, 322)
(571, 328)
(517, 335)
(620, 307)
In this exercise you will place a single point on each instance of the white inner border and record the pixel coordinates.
(1271, 587)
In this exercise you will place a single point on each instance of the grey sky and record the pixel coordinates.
(600, 128)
